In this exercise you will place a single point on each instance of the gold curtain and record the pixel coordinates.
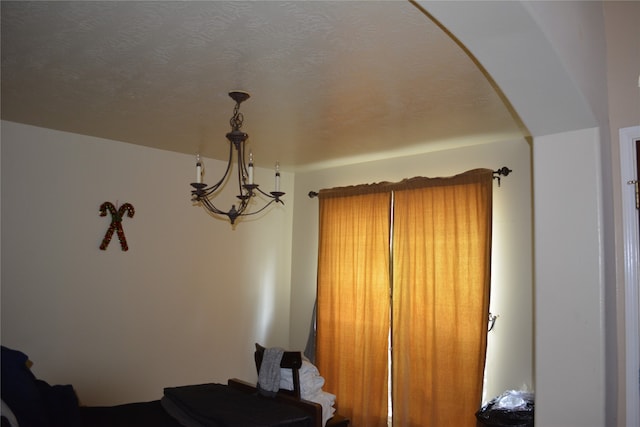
(441, 283)
(353, 303)
(440, 278)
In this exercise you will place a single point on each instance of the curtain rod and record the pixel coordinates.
(504, 171)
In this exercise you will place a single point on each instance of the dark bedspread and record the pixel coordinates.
(38, 404)
(141, 414)
(192, 405)
(34, 402)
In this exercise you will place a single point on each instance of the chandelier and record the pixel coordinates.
(247, 188)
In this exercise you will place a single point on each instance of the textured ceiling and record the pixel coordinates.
(330, 82)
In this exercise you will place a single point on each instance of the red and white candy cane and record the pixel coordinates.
(116, 223)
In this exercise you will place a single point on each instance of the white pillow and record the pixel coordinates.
(310, 379)
(311, 383)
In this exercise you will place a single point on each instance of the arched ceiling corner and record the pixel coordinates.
(514, 50)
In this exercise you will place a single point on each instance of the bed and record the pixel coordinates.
(34, 403)
(236, 404)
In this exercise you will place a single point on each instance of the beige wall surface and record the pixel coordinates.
(192, 293)
(623, 63)
(183, 305)
(510, 352)
(568, 283)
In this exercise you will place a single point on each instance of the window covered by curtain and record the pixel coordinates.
(353, 301)
(432, 281)
(441, 280)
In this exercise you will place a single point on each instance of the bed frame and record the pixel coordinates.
(311, 408)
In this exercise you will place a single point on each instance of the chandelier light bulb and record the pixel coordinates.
(198, 169)
(250, 167)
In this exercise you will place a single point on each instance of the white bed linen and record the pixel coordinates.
(311, 383)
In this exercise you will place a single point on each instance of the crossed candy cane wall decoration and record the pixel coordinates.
(116, 223)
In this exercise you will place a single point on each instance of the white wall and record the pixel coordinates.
(570, 328)
(510, 346)
(184, 304)
(179, 306)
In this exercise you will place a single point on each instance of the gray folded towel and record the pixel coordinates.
(269, 375)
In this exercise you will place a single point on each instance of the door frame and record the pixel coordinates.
(628, 172)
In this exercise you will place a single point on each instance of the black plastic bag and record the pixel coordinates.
(510, 409)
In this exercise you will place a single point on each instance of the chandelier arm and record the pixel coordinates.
(241, 170)
(210, 206)
(232, 213)
(259, 210)
(210, 190)
(243, 165)
(244, 201)
(235, 213)
(270, 195)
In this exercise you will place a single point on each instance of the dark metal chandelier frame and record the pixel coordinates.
(246, 187)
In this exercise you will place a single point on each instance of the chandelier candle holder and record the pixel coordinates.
(247, 188)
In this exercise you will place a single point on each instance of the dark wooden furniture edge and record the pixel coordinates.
(312, 408)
